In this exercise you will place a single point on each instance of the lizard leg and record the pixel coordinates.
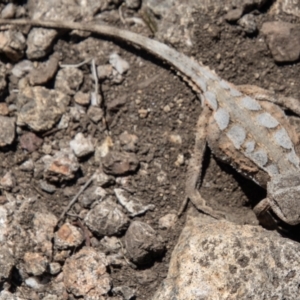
(262, 211)
(261, 94)
(193, 180)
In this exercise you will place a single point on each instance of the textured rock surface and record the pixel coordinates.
(226, 261)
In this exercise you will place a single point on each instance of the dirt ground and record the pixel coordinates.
(173, 110)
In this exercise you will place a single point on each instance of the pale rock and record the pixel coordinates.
(111, 244)
(54, 268)
(35, 263)
(7, 182)
(33, 106)
(129, 142)
(68, 80)
(7, 262)
(82, 98)
(8, 11)
(132, 204)
(27, 166)
(120, 163)
(107, 218)
(22, 68)
(64, 122)
(168, 221)
(244, 261)
(95, 113)
(68, 236)
(47, 187)
(104, 71)
(4, 111)
(62, 166)
(90, 195)
(143, 243)
(120, 64)
(34, 283)
(7, 130)
(85, 274)
(81, 145)
(180, 160)
(104, 148)
(12, 44)
(126, 292)
(175, 139)
(39, 42)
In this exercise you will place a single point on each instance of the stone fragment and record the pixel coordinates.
(168, 221)
(35, 263)
(82, 146)
(12, 44)
(103, 180)
(45, 71)
(8, 11)
(107, 218)
(90, 195)
(34, 283)
(104, 148)
(143, 243)
(248, 23)
(117, 103)
(64, 122)
(120, 163)
(82, 98)
(62, 166)
(7, 262)
(175, 139)
(54, 268)
(110, 244)
(47, 187)
(7, 182)
(68, 236)
(132, 204)
(129, 142)
(283, 40)
(4, 109)
(27, 166)
(30, 141)
(125, 291)
(68, 80)
(231, 254)
(85, 274)
(233, 15)
(120, 64)
(146, 276)
(22, 68)
(95, 113)
(7, 131)
(104, 72)
(34, 104)
(143, 113)
(39, 42)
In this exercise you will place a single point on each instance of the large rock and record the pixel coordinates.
(221, 260)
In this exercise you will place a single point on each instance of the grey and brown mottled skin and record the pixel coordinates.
(244, 126)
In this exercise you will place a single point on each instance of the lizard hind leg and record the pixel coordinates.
(193, 179)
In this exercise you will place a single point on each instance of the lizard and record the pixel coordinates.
(244, 126)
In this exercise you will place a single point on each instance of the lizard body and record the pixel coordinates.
(240, 126)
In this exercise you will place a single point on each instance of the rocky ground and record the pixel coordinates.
(74, 105)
